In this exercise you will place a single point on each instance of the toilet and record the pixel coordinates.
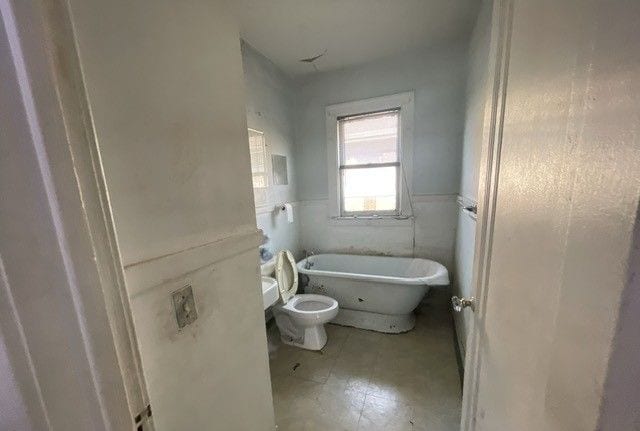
(300, 318)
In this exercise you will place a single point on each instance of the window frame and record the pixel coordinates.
(404, 103)
(267, 172)
(343, 167)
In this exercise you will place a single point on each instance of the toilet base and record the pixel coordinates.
(315, 337)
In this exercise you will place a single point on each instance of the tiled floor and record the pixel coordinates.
(364, 380)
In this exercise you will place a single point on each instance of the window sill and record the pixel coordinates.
(371, 220)
(264, 209)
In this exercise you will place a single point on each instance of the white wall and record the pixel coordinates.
(437, 77)
(567, 200)
(270, 96)
(435, 225)
(165, 86)
(169, 151)
(476, 99)
(477, 96)
(463, 273)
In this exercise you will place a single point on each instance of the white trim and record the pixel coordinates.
(405, 102)
(420, 199)
(501, 23)
(464, 203)
(274, 208)
(417, 199)
(56, 114)
(154, 272)
(364, 221)
(382, 221)
(40, 150)
(265, 209)
(30, 377)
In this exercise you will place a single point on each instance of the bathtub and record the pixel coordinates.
(374, 292)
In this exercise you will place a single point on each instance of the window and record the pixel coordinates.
(369, 146)
(369, 163)
(259, 167)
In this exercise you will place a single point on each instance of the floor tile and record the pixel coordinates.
(314, 366)
(310, 405)
(365, 380)
(381, 414)
(283, 360)
(391, 415)
(336, 338)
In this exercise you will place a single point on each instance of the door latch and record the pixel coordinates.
(460, 303)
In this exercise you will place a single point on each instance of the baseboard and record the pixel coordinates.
(459, 358)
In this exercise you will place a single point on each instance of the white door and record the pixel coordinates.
(68, 352)
(558, 199)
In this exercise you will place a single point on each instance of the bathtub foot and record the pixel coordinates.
(388, 323)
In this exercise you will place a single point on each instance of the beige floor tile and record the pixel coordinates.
(287, 389)
(283, 359)
(309, 405)
(363, 334)
(358, 354)
(337, 331)
(351, 375)
(344, 406)
(442, 414)
(362, 345)
(354, 383)
(365, 380)
(336, 337)
(314, 366)
(392, 415)
(313, 423)
(414, 387)
(381, 414)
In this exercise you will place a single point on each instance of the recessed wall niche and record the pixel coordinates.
(279, 168)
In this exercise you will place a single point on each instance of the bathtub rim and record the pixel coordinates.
(439, 278)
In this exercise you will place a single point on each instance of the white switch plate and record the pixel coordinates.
(184, 306)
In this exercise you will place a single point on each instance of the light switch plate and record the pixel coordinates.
(185, 306)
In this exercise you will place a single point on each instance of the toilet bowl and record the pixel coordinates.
(300, 318)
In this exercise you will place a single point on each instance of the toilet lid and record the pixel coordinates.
(286, 275)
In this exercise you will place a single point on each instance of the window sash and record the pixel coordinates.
(394, 211)
(342, 167)
(258, 149)
(369, 165)
(342, 119)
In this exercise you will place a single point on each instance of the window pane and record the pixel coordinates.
(369, 189)
(258, 153)
(259, 180)
(369, 139)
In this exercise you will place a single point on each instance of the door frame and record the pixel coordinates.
(488, 174)
(44, 54)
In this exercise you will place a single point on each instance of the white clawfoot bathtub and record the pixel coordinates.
(373, 292)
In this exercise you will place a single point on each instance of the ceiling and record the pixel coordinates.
(351, 31)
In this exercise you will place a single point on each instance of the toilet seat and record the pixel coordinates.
(310, 305)
(286, 275)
